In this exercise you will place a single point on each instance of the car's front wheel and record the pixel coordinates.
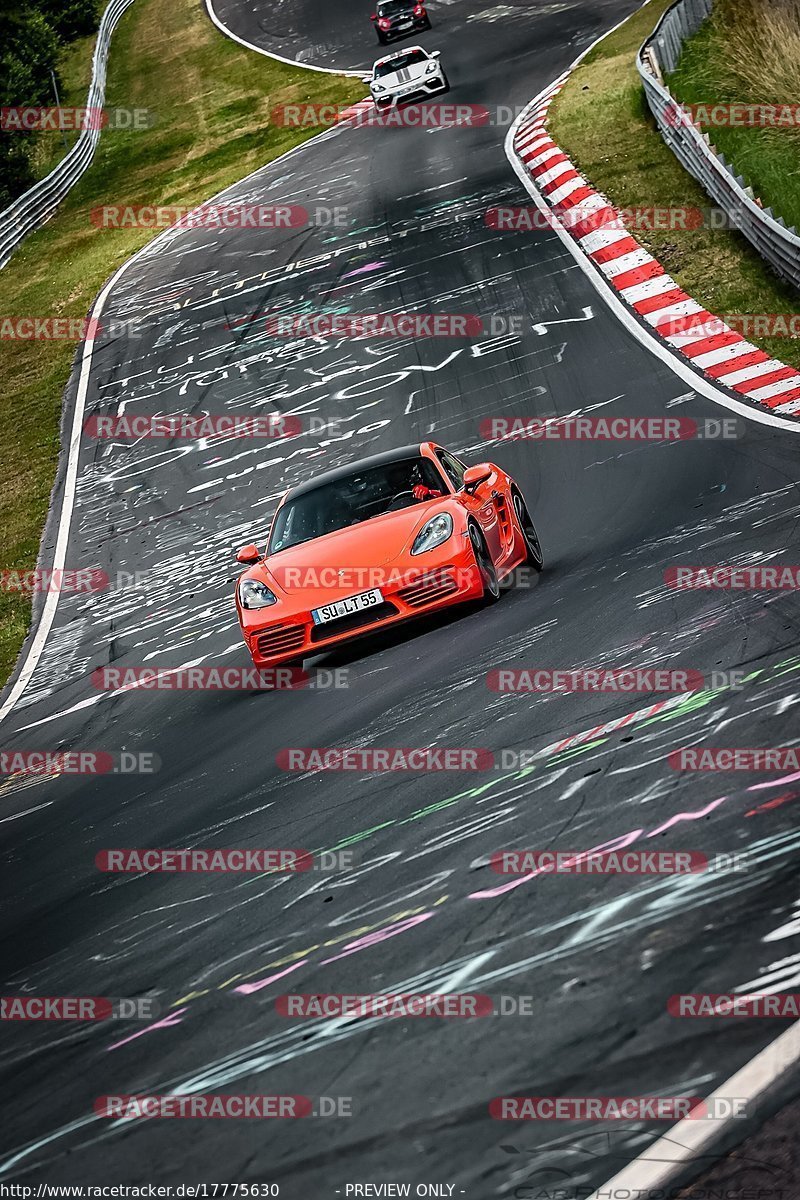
(382, 38)
(445, 84)
(534, 557)
(486, 567)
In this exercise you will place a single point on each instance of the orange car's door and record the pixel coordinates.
(482, 503)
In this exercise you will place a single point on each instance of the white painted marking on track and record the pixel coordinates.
(292, 62)
(684, 1142)
(16, 816)
(34, 652)
(541, 327)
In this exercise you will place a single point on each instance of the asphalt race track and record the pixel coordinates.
(423, 911)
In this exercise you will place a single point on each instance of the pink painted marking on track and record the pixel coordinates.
(618, 843)
(380, 935)
(246, 988)
(375, 266)
(757, 787)
(167, 1022)
(686, 816)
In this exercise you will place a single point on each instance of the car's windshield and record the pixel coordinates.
(356, 497)
(389, 8)
(399, 62)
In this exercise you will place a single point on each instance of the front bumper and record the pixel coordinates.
(412, 93)
(454, 580)
(417, 23)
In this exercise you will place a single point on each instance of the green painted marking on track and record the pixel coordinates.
(691, 702)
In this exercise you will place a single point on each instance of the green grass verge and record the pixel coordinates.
(75, 72)
(601, 120)
(749, 52)
(213, 100)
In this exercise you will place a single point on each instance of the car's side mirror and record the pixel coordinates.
(436, 54)
(475, 476)
(374, 17)
(366, 79)
(248, 555)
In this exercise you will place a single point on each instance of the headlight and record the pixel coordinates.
(433, 533)
(378, 87)
(255, 594)
(431, 67)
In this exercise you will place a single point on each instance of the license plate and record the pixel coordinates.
(405, 24)
(347, 607)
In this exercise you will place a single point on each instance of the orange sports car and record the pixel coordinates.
(380, 541)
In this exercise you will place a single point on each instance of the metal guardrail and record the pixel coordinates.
(778, 243)
(37, 205)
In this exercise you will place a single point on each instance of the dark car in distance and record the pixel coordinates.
(396, 18)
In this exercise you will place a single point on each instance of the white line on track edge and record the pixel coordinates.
(292, 62)
(781, 1055)
(649, 1173)
(604, 290)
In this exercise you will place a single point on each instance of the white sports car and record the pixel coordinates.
(406, 75)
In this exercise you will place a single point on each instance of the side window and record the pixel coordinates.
(454, 469)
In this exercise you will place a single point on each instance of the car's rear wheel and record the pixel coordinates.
(534, 557)
(486, 567)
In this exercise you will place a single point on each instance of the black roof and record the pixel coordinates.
(360, 464)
